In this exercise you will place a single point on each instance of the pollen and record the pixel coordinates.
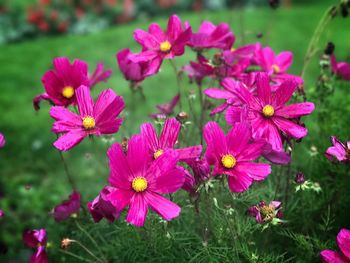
(68, 92)
(276, 69)
(268, 111)
(165, 46)
(139, 184)
(267, 212)
(228, 161)
(233, 49)
(89, 122)
(158, 153)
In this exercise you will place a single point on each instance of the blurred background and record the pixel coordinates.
(33, 32)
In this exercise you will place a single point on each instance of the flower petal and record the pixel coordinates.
(239, 181)
(290, 128)
(169, 134)
(108, 106)
(296, 110)
(138, 155)
(256, 171)
(263, 87)
(238, 138)
(329, 256)
(162, 206)
(343, 241)
(169, 181)
(149, 133)
(69, 140)
(120, 198)
(84, 100)
(137, 210)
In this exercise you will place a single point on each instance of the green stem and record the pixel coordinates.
(178, 81)
(68, 174)
(75, 255)
(89, 252)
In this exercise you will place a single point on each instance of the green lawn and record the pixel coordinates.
(32, 177)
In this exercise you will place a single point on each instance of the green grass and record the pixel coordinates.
(30, 160)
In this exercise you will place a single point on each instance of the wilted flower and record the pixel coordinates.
(211, 36)
(67, 207)
(93, 119)
(265, 213)
(166, 109)
(201, 169)
(340, 151)
(66, 242)
(2, 140)
(136, 71)
(267, 113)
(299, 178)
(233, 155)
(343, 241)
(341, 69)
(101, 207)
(158, 45)
(140, 182)
(36, 239)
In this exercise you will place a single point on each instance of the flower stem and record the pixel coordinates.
(68, 174)
(312, 47)
(178, 81)
(91, 239)
(89, 252)
(75, 255)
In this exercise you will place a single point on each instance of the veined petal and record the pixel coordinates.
(217, 93)
(284, 60)
(215, 138)
(170, 133)
(110, 126)
(290, 128)
(239, 181)
(329, 256)
(296, 110)
(108, 106)
(238, 138)
(149, 133)
(188, 153)
(85, 102)
(256, 171)
(164, 163)
(138, 155)
(120, 198)
(138, 209)
(146, 40)
(252, 151)
(162, 206)
(263, 87)
(69, 140)
(285, 92)
(343, 241)
(169, 181)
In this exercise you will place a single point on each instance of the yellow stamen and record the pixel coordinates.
(158, 153)
(165, 46)
(139, 184)
(228, 161)
(267, 212)
(268, 111)
(233, 49)
(68, 92)
(276, 69)
(89, 122)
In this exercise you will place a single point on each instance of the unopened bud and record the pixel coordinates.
(329, 49)
(299, 178)
(182, 116)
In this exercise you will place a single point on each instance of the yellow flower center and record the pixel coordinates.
(267, 212)
(68, 92)
(228, 161)
(89, 122)
(139, 184)
(233, 49)
(268, 111)
(165, 46)
(276, 69)
(158, 153)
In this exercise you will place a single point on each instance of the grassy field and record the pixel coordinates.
(32, 177)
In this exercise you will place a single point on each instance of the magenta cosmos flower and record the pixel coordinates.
(269, 62)
(233, 155)
(267, 112)
(265, 213)
(167, 140)
(36, 239)
(136, 71)
(140, 182)
(67, 207)
(2, 140)
(1, 213)
(340, 151)
(343, 241)
(211, 36)
(158, 45)
(93, 119)
(61, 83)
(101, 207)
(342, 69)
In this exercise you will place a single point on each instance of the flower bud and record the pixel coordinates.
(299, 178)
(182, 116)
(329, 48)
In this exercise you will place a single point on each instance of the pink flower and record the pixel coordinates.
(99, 75)
(158, 45)
(2, 140)
(264, 213)
(140, 182)
(167, 140)
(67, 207)
(61, 83)
(136, 71)
(342, 69)
(101, 207)
(267, 113)
(276, 64)
(211, 36)
(338, 150)
(343, 241)
(93, 119)
(233, 155)
(166, 109)
(198, 70)
(1, 213)
(36, 239)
